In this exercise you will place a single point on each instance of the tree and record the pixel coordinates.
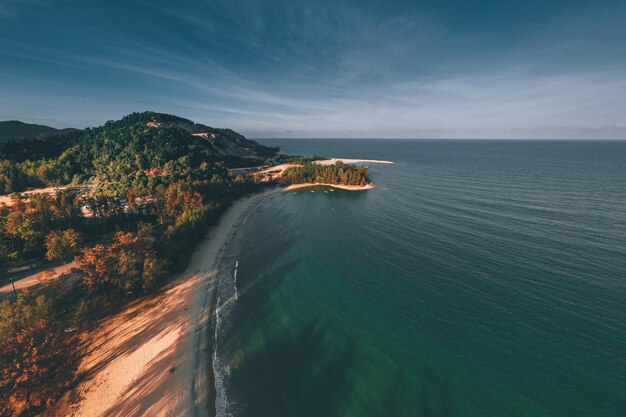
(63, 245)
(338, 173)
(12, 178)
(82, 314)
(27, 228)
(99, 265)
(35, 355)
(154, 270)
(128, 264)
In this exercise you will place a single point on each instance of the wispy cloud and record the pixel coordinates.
(393, 69)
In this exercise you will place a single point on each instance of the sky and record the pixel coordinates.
(321, 68)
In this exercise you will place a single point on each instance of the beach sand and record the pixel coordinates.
(154, 357)
(340, 186)
(332, 161)
(276, 171)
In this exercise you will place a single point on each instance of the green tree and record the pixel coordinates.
(63, 245)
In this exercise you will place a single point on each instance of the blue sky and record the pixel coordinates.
(318, 68)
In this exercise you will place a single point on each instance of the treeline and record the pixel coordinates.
(339, 173)
(19, 176)
(25, 224)
(37, 162)
(300, 160)
(153, 193)
(38, 147)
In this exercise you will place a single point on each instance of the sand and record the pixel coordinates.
(276, 171)
(154, 357)
(8, 199)
(340, 186)
(332, 161)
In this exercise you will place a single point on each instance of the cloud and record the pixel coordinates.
(392, 69)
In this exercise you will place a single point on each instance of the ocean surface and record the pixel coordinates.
(483, 278)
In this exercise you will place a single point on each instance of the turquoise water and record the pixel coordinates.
(484, 278)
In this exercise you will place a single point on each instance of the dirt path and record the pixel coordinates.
(38, 278)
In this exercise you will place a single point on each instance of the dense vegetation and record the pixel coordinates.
(299, 160)
(339, 173)
(38, 148)
(25, 225)
(37, 358)
(153, 188)
(129, 152)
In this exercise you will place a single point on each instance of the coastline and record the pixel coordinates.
(339, 186)
(332, 161)
(154, 357)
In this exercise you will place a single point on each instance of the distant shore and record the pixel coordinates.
(332, 161)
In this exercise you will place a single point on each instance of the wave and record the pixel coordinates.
(227, 296)
(226, 293)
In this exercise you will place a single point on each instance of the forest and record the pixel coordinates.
(126, 152)
(338, 173)
(146, 197)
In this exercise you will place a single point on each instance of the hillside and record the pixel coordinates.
(14, 129)
(232, 146)
(138, 146)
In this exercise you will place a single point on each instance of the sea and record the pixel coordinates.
(481, 278)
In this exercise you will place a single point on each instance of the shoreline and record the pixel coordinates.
(204, 388)
(155, 356)
(339, 186)
(332, 161)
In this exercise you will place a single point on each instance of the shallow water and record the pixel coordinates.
(483, 278)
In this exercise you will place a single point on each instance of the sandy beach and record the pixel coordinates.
(332, 161)
(339, 186)
(154, 357)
